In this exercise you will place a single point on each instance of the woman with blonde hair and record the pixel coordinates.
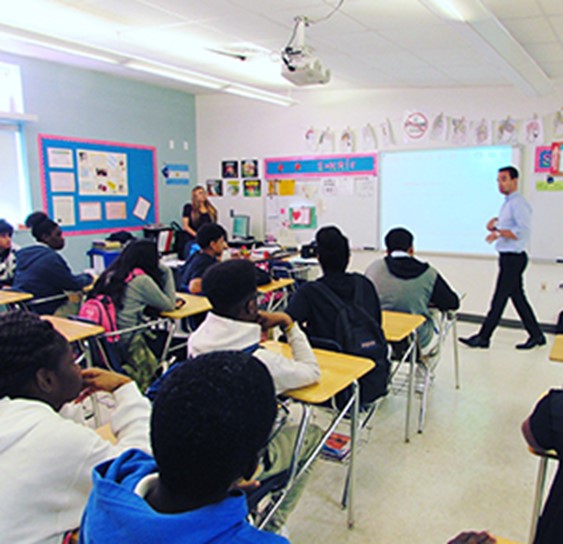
(198, 212)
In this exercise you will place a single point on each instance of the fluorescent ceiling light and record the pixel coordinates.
(258, 94)
(59, 45)
(473, 20)
(170, 72)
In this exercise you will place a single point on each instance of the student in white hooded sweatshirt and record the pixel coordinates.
(46, 461)
(236, 324)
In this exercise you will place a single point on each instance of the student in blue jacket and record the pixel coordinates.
(41, 271)
(206, 433)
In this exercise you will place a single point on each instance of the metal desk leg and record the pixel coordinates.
(410, 394)
(456, 352)
(348, 496)
(86, 347)
(540, 485)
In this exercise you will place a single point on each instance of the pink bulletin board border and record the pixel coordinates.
(324, 158)
(537, 160)
(43, 178)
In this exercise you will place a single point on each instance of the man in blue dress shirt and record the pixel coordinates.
(510, 231)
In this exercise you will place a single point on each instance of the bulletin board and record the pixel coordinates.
(304, 194)
(91, 186)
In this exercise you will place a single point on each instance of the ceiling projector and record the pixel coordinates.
(303, 68)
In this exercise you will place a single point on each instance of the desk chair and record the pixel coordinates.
(544, 458)
(285, 269)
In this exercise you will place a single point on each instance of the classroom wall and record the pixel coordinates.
(85, 104)
(231, 127)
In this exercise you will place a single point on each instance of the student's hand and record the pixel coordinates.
(246, 486)
(269, 320)
(98, 379)
(472, 537)
(491, 224)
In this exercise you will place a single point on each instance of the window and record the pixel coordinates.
(15, 202)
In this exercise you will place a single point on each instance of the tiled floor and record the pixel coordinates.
(470, 468)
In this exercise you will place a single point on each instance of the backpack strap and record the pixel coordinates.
(328, 293)
(359, 290)
(134, 273)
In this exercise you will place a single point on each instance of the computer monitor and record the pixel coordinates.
(241, 226)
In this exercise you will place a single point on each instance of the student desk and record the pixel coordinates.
(73, 331)
(557, 349)
(338, 371)
(398, 326)
(13, 298)
(283, 285)
(193, 305)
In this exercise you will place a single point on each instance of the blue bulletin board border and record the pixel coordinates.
(142, 185)
(321, 166)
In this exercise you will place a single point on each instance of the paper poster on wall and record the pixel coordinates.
(556, 163)
(329, 187)
(326, 141)
(542, 161)
(62, 182)
(369, 138)
(532, 131)
(272, 207)
(116, 211)
(387, 136)
(551, 184)
(214, 187)
(346, 186)
(286, 187)
(302, 217)
(233, 187)
(252, 187)
(558, 124)
(307, 189)
(63, 210)
(459, 131)
(60, 157)
(229, 169)
(176, 174)
(507, 131)
(90, 211)
(272, 188)
(102, 173)
(249, 168)
(365, 186)
(481, 132)
(347, 141)
(439, 129)
(415, 126)
(142, 208)
(311, 141)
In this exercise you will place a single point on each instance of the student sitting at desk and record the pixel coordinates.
(41, 271)
(406, 284)
(212, 239)
(236, 323)
(7, 254)
(543, 430)
(316, 305)
(46, 460)
(136, 282)
(206, 432)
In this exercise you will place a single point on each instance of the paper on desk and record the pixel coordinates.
(142, 208)
(90, 211)
(62, 182)
(116, 211)
(63, 210)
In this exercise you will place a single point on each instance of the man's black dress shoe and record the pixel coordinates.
(532, 343)
(475, 341)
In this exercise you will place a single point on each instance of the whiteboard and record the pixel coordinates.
(443, 196)
(352, 207)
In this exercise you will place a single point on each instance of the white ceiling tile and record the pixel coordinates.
(514, 8)
(378, 14)
(450, 57)
(337, 25)
(551, 7)
(530, 30)
(552, 52)
(557, 25)
(414, 37)
(553, 69)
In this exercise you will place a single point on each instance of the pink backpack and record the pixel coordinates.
(101, 310)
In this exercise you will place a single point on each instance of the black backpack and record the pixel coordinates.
(358, 333)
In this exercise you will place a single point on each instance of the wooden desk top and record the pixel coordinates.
(73, 330)
(338, 371)
(500, 540)
(12, 297)
(276, 285)
(398, 325)
(194, 304)
(557, 349)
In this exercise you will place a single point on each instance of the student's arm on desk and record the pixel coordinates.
(61, 276)
(538, 429)
(303, 369)
(443, 296)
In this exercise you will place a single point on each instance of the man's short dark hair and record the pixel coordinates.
(333, 249)
(210, 232)
(229, 285)
(210, 419)
(512, 171)
(6, 228)
(398, 239)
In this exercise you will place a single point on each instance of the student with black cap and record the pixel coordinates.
(7, 253)
(42, 272)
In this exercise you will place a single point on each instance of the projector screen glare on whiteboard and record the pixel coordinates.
(443, 196)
